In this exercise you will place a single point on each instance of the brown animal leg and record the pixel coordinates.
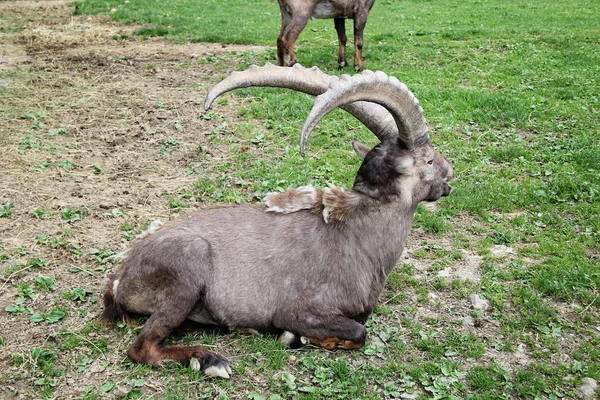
(292, 23)
(359, 26)
(287, 41)
(341, 32)
(335, 343)
(329, 332)
(148, 346)
(282, 51)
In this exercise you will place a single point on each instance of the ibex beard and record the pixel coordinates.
(310, 264)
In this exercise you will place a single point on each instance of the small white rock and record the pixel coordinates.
(470, 269)
(587, 390)
(96, 368)
(445, 273)
(409, 396)
(522, 358)
(478, 303)
(500, 250)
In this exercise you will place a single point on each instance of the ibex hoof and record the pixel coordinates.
(287, 338)
(194, 364)
(342, 64)
(291, 340)
(212, 365)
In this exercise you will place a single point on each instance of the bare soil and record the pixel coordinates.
(71, 89)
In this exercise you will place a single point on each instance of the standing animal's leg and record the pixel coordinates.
(172, 309)
(293, 22)
(360, 20)
(330, 332)
(341, 32)
(286, 17)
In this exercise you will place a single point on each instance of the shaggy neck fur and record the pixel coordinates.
(334, 204)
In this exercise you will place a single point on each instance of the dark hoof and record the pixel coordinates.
(212, 365)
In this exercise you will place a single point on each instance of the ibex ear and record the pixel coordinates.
(404, 164)
(360, 148)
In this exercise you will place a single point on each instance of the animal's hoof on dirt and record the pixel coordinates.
(212, 365)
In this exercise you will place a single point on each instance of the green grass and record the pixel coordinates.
(511, 90)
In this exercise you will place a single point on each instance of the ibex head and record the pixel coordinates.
(404, 163)
(389, 169)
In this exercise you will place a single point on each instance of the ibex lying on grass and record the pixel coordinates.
(312, 263)
(296, 13)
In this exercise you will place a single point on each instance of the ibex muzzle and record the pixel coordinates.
(310, 264)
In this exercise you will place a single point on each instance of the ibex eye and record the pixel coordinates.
(430, 162)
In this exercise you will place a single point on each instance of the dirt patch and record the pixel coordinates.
(98, 132)
(10, 55)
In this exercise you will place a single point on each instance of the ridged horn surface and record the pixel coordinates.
(374, 87)
(310, 81)
(307, 80)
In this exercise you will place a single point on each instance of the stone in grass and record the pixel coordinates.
(500, 250)
(587, 390)
(470, 269)
(445, 273)
(409, 396)
(478, 303)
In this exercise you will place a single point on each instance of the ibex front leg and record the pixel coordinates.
(340, 27)
(329, 332)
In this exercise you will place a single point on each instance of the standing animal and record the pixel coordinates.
(310, 264)
(296, 13)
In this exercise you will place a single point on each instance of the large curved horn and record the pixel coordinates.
(310, 81)
(307, 80)
(378, 88)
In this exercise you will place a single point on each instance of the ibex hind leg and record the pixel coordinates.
(148, 346)
(340, 28)
(329, 332)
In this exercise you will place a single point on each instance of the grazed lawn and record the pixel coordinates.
(510, 90)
